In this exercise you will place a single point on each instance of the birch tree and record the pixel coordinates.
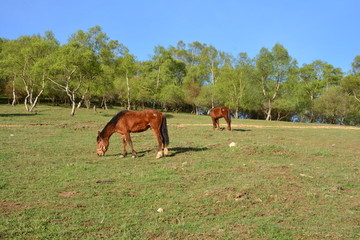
(211, 59)
(273, 70)
(196, 72)
(73, 67)
(106, 52)
(234, 82)
(314, 78)
(351, 83)
(25, 61)
(126, 70)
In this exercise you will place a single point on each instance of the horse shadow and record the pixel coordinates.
(138, 154)
(173, 152)
(178, 150)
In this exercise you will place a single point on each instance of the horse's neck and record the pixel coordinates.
(108, 131)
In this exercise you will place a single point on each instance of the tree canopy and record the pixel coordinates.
(91, 69)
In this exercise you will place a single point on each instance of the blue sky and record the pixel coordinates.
(310, 30)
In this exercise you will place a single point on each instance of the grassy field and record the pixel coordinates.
(281, 180)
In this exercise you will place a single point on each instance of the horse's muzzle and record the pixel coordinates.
(100, 154)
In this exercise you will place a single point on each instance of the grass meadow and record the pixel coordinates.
(281, 180)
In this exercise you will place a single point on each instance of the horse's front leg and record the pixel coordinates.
(124, 146)
(129, 141)
(214, 123)
(218, 124)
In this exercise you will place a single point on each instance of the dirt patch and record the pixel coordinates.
(67, 194)
(69, 126)
(7, 206)
(195, 124)
(14, 126)
(264, 126)
(24, 125)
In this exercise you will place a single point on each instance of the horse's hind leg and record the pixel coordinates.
(161, 150)
(228, 121)
(166, 150)
(156, 131)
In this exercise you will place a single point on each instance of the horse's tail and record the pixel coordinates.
(164, 132)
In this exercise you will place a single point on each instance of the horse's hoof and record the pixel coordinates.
(122, 155)
(166, 151)
(133, 156)
(159, 155)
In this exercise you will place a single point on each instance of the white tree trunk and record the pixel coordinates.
(268, 112)
(128, 92)
(213, 87)
(73, 104)
(33, 103)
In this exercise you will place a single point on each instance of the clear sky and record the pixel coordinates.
(327, 30)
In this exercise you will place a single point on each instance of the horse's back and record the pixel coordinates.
(217, 112)
(144, 114)
(138, 121)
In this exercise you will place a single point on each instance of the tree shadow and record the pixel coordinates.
(178, 150)
(107, 115)
(168, 116)
(241, 130)
(233, 129)
(17, 114)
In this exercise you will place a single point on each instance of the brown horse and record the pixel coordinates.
(219, 112)
(126, 122)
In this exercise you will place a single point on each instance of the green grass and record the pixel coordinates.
(276, 183)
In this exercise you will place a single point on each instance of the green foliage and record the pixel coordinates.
(172, 96)
(335, 106)
(314, 78)
(24, 63)
(273, 70)
(94, 69)
(351, 82)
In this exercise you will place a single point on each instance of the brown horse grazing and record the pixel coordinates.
(219, 112)
(126, 122)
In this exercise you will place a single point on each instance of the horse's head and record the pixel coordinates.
(102, 145)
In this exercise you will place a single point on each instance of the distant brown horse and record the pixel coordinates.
(219, 112)
(126, 122)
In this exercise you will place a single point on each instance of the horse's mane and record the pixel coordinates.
(113, 121)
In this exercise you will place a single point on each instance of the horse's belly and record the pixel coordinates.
(139, 128)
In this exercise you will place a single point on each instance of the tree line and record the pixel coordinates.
(91, 69)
